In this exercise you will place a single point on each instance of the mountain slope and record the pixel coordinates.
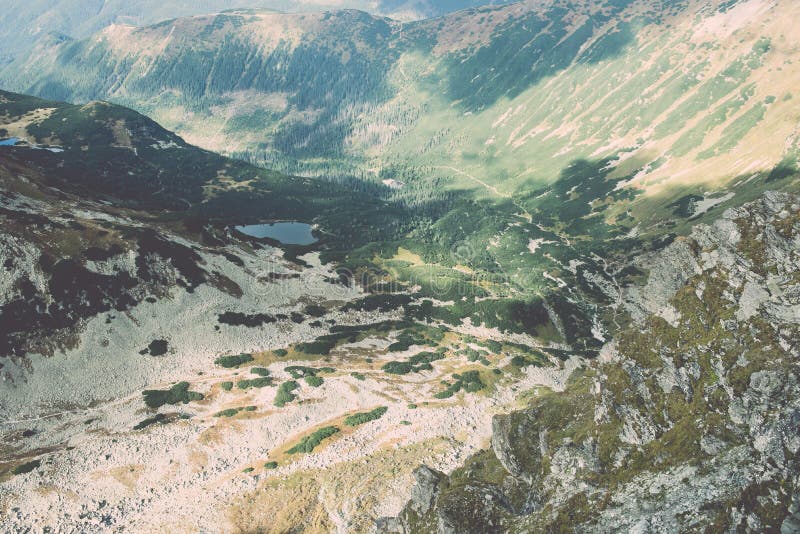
(67, 167)
(688, 422)
(528, 139)
(111, 153)
(81, 18)
(681, 94)
(149, 349)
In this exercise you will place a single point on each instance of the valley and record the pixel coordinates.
(400, 267)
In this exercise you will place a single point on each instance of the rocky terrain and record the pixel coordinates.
(548, 277)
(688, 421)
(151, 354)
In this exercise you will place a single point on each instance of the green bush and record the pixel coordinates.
(229, 362)
(471, 354)
(230, 412)
(285, 394)
(226, 386)
(299, 371)
(521, 361)
(158, 418)
(416, 363)
(397, 368)
(177, 394)
(314, 381)
(280, 353)
(271, 465)
(469, 381)
(27, 467)
(320, 346)
(309, 443)
(425, 358)
(365, 417)
(449, 392)
(315, 310)
(261, 382)
(358, 376)
(493, 346)
(260, 371)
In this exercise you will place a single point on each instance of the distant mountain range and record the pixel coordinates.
(498, 99)
(22, 24)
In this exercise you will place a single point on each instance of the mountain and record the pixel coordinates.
(678, 94)
(81, 18)
(138, 320)
(562, 130)
(88, 184)
(519, 268)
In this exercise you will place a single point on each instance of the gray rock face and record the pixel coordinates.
(425, 489)
(791, 524)
(389, 525)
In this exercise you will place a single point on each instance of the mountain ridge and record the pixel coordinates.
(81, 18)
(418, 71)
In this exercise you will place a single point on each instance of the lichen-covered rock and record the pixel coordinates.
(425, 489)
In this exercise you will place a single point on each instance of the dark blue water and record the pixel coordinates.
(288, 233)
(9, 142)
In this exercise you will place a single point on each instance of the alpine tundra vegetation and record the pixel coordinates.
(400, 266)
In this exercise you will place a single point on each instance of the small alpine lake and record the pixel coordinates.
(287, 233)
